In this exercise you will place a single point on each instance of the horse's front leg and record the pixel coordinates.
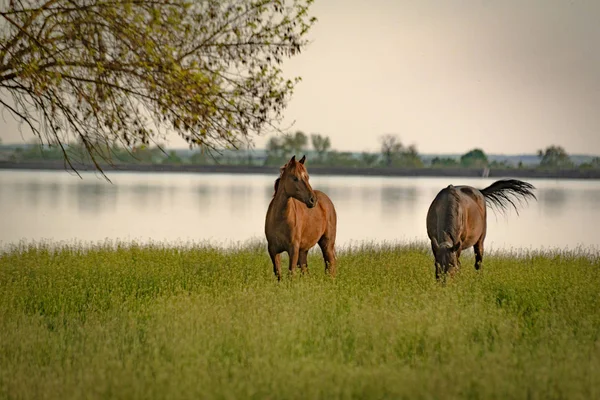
(276, 260)
(303, 261)
(294, 253)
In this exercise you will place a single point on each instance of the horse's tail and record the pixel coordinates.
(502, 193)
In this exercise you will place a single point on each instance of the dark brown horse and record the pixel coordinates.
(299, 217)
(457, 219)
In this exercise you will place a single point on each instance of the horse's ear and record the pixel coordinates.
(293, 159)
(303, 159)
(456, 247)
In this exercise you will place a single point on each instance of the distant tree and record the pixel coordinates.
(391, 147)
(109, 71)
(475, 158)
(500, 164)
(280, 149)
(36, 152)
(275, 151)
(146, 155)
(593, 164)
(394, 154)
(321, 145)
(342, 159)
(554, 157)
(409, 158)
(444, 162)
(295, 144)
(369, 159)
(172, 158)
(201, 157)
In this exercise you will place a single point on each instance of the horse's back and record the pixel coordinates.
(474, 215)
(443, 206)
(456, 209)
(322, 197)
(329, 208)
(469, 192)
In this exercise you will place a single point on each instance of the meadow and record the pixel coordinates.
(127, 321)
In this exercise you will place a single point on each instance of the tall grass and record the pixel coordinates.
(143, 322)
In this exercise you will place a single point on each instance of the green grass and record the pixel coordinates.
(145, 322)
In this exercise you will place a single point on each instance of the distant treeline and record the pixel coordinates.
(392, 154)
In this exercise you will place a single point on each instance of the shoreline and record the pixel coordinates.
(316, 170)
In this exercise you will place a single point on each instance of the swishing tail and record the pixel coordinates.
(504, 192)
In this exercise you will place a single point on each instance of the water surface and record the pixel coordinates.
(226, 209)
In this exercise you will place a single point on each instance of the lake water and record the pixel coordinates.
(227, 209)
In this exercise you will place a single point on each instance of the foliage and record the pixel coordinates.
(280, 149)
(105, 72)
(201, 157)
(554, 157)
(444, 162)
(395, 155)
(391, 147)
(321, 145)
(296, 143)
(409, 158)
(369, 159)
(37, 153)
(593, 164)
(500, 164)
(126, 321)
(475, 158)
(343, 159)
(172, 158)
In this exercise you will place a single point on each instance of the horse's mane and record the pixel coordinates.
(276, 185)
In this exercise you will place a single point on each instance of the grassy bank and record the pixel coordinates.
(158, 322)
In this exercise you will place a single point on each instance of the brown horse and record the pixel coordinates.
(299, 217)
(457, 219)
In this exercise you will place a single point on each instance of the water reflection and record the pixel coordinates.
(268, 193)
(368, 194)
(224, 208)
(553, 199)
(148, 196)
(52, 194)
(203, 194)
(592, 198)
(239, 196)
(393, 198)
(94, 198)
(33, 193)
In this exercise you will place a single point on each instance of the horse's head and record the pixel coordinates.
(294, 181)
(446, 255)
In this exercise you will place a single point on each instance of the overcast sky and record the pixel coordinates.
(508, 76)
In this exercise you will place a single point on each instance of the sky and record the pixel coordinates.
(510, 76)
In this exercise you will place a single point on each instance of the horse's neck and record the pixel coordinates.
(281, 203)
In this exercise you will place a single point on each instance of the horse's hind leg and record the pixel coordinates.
(478, 248)
(327, 247)
(276, 260)
(303, 261)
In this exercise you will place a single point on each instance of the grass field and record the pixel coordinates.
(133, 322)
